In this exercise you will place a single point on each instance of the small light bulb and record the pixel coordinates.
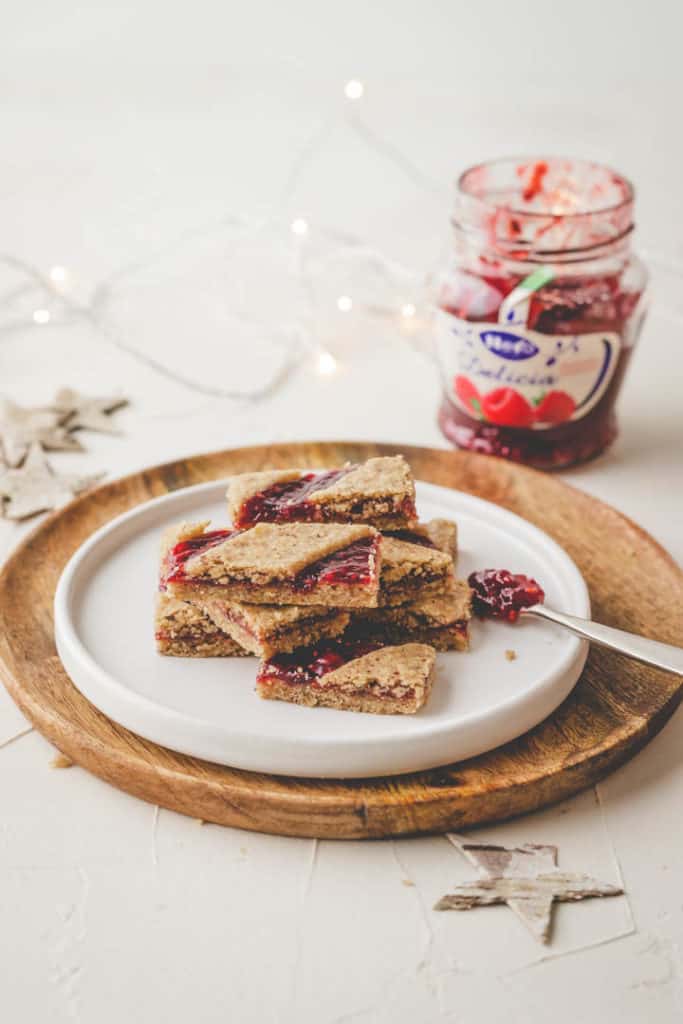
(353, 90)
(408, 310)
(327, 364)
(299, 226)
(344, 304)
(58, 274)
(41, 316)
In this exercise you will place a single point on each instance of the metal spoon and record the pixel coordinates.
(651, 652)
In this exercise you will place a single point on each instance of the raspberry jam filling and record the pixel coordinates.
(174, 563)
(310, 663)
(354, 564)
(408, 508)
(500, 594)
(287, 502)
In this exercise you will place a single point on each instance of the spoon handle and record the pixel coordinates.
(652, 652)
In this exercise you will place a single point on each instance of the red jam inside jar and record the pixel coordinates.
(539, 311)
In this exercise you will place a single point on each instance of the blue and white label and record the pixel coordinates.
(507, 374)
(508, 345)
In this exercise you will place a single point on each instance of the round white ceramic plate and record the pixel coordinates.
(208, 707)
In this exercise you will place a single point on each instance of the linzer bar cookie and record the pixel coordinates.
(379, 493)
(352, 676)
(300, 563)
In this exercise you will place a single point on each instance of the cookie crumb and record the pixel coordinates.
(510, 655)
(61, 761)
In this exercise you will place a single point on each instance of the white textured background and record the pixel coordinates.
(133, 134)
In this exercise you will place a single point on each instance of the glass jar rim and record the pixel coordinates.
(619, 179)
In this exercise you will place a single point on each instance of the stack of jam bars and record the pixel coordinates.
(329, 578)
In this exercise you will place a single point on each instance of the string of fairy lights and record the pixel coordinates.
(58, 302)
(407, 311)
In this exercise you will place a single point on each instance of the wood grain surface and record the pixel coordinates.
(616, 707)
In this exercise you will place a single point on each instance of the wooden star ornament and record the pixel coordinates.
(35, 487)
(526, 878)
(21, 427)
(85, 412)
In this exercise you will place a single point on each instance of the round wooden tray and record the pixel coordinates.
(616, 707)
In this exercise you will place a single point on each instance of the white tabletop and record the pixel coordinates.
(134, 135)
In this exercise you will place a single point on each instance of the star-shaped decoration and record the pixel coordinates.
(21, 427)
(526, 878)
(84, 412)
(35, 487)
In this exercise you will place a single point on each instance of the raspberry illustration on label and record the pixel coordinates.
(555, 407)
(467, 393)
(522, 378)
(507, 408)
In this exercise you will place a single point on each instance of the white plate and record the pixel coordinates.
(208, 707)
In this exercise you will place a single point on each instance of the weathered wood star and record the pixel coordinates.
(35, 487)
(85, 412)
(524, 877)
(20, 427)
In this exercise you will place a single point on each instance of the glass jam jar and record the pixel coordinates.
(539, 311)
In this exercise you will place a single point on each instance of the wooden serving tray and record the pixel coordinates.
(615, 708)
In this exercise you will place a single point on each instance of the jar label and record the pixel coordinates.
(515, 377)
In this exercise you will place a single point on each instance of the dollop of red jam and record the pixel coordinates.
(287, 501)
(309, 663)
(500, 594)
(534, 185)
(174, 563)
(354, 564)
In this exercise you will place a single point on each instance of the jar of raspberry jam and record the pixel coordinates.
(539, 311)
